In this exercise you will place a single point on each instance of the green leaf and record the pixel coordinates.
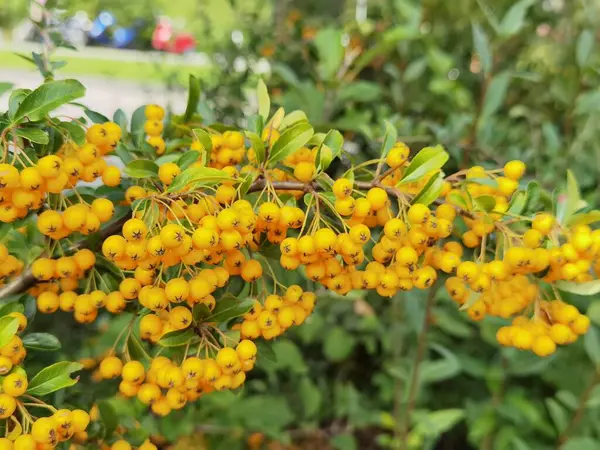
(482, 47)
(292, 119)
(587, 288)
(193, 97)
(495, 94)
(204, 138)
(8, 328)
(584, 218)
(264, 102)
(290, 140)
(136, 349)
(138, 119)
(53, 378)
(187, 159)
(573, 200)
(591, 343)
(514, 19)
(95, 116)
(76, 132)
(5, 87)
(344, 441)
(247, 181)
(389, 138)
(433, 371)
(359, 91)
(32, 134)
(427, 160)
(108, 416)
(41, 341)
(436, 423)
(48, 97)
(330, 148)
(14, 101)
(338, 344)
(311, 397)
(585, 45)
(431, 190)
(485, 203)
(198, 176)
(581, 443)
(257, 145)
(558, 413)
(229, 307)
(328, 43)
(178, 338)
(142, 168)
(120, 119)
(124, 153)
(517, 203)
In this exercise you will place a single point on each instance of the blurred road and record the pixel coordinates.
(104, 95)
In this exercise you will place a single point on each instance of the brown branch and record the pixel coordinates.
(25, 279)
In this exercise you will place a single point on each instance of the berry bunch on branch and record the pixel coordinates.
(213, 241)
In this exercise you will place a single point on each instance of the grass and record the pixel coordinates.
(156, 71)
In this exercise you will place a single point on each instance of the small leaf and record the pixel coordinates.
(558, 414)
(194, 177)
(229, 307)
(5, 87)
(585, 45)
(485, 203)
(187, 159)
(389, 139)
(41, 341)
(573, 201)
(431, 190)
(514, 19)
(95, 116)
(584, 218)
(257, 145)
(264, 102)
(142, 168)
(587, 288)
(591, 342)
(48, 97)
(482, 47)
(53, 378)
(290, 140)
(517, 203)
(436, 423)
(344, 441)
(193, 97)
(275, 121)
(136, 349)
(330, 148)
(108, 416)
(495, 94)
(8, 328)
(32, 134)
(178, 338)
(328, 43)
(76, 132)
(120, 119)
(338, 344)
(292, 119)
(427, 160)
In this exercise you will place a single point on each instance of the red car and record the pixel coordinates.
(164, 39)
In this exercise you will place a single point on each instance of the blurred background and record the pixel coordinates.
(491, 80)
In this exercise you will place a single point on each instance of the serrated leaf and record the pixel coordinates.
(53, 378)
(41, 341)
(427, 160)
(178, 338)
(431, 190)
(264, 102)
(290, 140)
(48, 97)
(482, 47)
(193, 97)
(195, 177)
(257, 145)
(32, 134)
(142, 168)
